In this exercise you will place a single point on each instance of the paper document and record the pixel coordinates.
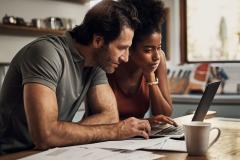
(78, 153)
(169, 145)
(132, 144)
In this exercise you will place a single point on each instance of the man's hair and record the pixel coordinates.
(151, 14)
(107, 19)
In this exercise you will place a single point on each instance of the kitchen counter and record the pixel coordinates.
(218, 99)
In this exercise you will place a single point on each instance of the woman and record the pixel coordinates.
(142, 82)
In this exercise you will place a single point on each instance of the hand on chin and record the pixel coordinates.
(149, 75)
(149, 71)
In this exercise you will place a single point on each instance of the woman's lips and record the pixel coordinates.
(154, 65)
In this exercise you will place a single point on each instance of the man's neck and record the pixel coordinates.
(86, 51)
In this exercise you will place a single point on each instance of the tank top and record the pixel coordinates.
(131, 105)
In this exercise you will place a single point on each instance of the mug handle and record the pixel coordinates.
(216, 138)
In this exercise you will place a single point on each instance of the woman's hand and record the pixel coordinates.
(161, 119)
(149, 72)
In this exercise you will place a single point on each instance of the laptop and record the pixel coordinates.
(199, 115)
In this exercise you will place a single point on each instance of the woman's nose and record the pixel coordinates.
(156, 55)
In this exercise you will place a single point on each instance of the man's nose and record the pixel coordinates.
(125, 56)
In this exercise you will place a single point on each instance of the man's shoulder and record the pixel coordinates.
(49, 46)
(49, 41)
(42, 51)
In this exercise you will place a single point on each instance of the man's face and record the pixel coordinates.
(116, 52)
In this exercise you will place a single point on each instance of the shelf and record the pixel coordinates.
(22, 30)
(75, 1)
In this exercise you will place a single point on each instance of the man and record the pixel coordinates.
(49, 78)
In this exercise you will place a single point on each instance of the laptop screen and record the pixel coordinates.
(206, 101)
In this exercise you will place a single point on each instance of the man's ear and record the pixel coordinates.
(98, 41)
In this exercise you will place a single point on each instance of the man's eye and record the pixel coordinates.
(123, 48)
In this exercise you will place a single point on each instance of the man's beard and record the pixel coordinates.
(105, 64)
(104, 60)
(107, 68)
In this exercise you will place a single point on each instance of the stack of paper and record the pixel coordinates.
(117, 150)
(79, 153)
(164, 144)
(131, 144)
(169, 145)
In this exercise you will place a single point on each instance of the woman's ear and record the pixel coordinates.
(98, 41)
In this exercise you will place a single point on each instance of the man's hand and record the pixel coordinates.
(133, 127)
(161, 119)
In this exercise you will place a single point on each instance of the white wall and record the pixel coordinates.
(28, 9)
(10, 44)
(174, 51)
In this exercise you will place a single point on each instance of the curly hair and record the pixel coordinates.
(107, 18)
(151, 14)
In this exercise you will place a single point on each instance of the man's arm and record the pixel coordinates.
(47, 131)
(102, 105)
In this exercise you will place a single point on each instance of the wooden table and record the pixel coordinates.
(226, 148)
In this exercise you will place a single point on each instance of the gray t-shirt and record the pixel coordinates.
(51, 61)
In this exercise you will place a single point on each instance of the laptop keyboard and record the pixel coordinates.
(171, 130)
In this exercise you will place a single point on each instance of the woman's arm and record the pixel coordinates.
(160, 99)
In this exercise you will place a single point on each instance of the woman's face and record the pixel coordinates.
(146, 55)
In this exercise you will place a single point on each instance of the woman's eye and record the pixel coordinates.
(147, 50)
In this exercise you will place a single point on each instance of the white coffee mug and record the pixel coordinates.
(197, 137)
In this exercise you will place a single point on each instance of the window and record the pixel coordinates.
(210, 30)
